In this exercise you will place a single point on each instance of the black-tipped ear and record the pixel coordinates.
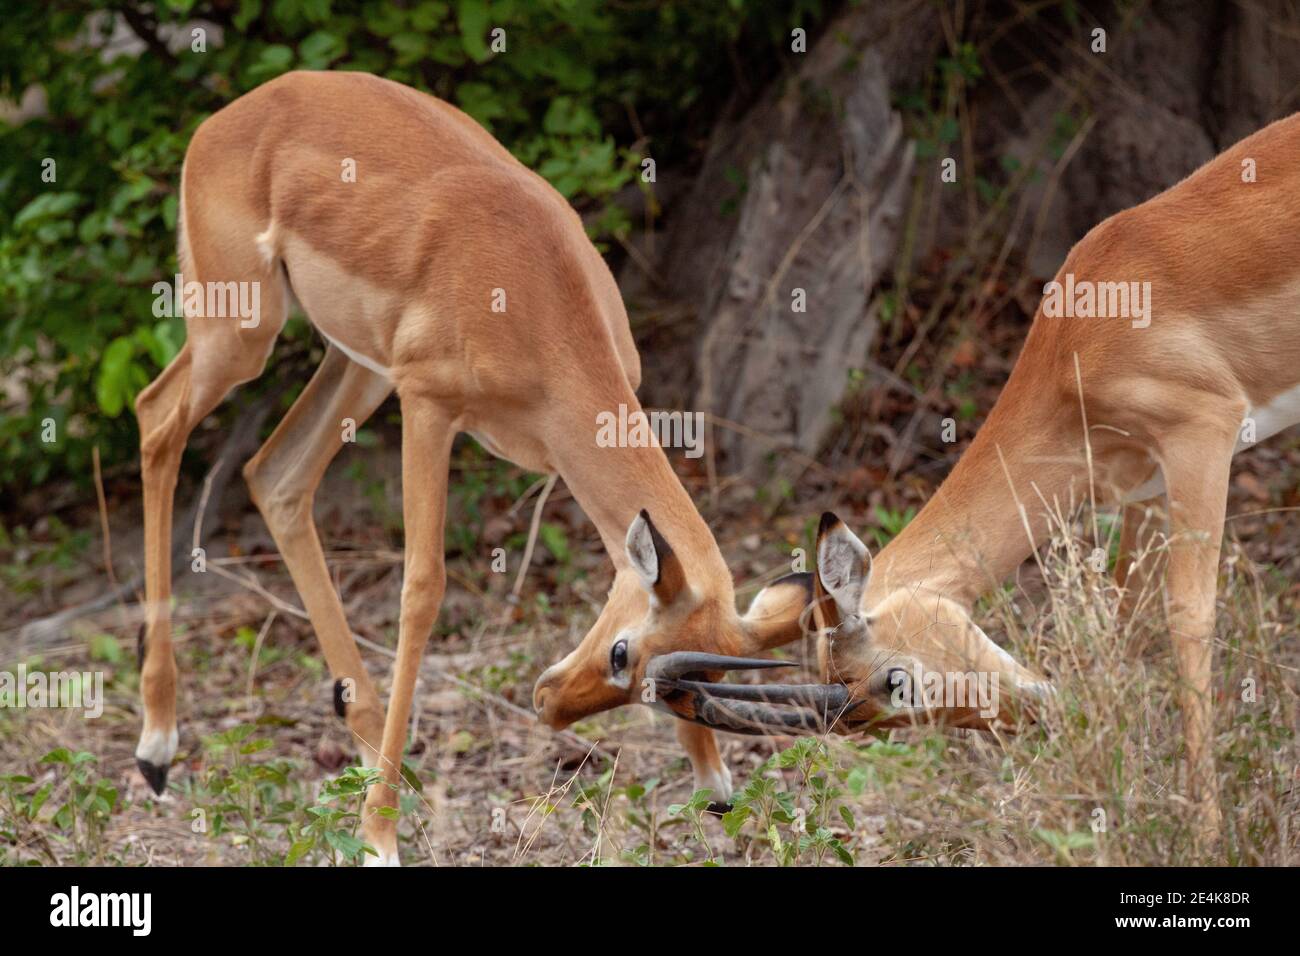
(843, 564)
(656, 565)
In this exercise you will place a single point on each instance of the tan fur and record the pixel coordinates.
(399, 268)
(1224, 338)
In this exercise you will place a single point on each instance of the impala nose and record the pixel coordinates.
(541, 690)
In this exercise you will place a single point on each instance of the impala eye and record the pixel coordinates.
(618, 656)
(898, 685)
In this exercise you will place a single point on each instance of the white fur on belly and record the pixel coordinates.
(362, 360)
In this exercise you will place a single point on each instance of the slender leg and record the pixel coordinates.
(189, 388)
(702, 749)
(158, 410)
(282, 480)
(1197, 461)
(427, 434)
(1141, 561)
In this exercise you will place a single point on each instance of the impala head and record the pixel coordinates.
(655, 609)
(912, 655)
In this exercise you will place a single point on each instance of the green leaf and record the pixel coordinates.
(345, 843)
(553, 538)
(112, 386)
(299, 849)
(273, 60)
(734, 820)
(104, 647)
(46, 206)
(169, 211)
(472, 18)
(38, 800)
(249, 10)
(411, 777)
(321, 49)
(410, 47)
(841, 851)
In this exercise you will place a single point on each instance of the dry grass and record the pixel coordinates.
(1097, 781)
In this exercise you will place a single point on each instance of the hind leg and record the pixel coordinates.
(218, 355)
(282, 479)
(1197, 462)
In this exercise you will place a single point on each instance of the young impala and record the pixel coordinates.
(1122, 403)
(436, 265)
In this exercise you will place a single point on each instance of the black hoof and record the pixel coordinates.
(719, 808)
(340, 705)
(154, 774)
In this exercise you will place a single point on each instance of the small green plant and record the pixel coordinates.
(641, 815)
(244, 799)
(1064, 844)
(88, 801)
(334, 819)
(19, 805)
(808, 813)
(694, 810)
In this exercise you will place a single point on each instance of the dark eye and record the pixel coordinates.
(898, 678)
(618, 656)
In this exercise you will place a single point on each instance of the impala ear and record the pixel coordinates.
(843, 564)
(659, 569)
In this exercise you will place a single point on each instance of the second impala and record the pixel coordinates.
(1169, 339)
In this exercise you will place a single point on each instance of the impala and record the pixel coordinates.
(436, 265)
(1121, 407)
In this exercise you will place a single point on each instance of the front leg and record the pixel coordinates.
(1197, 461)
(706, 763)
(427, 435)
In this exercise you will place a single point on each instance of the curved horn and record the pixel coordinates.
(680, 663)
(748, 708)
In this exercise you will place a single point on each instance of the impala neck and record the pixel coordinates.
(614, 484)
(971, 535)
